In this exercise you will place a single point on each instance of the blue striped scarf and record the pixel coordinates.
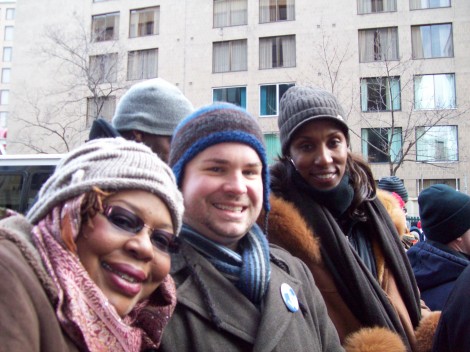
(250, 272)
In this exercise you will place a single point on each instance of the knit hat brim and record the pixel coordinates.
(111, 164)
(335, 119)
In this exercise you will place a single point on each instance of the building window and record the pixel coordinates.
(234, 95)
(434, 91)
(229, 56)
(3, 118)
(105, 27)
(276, 10)
(6, 75)
(374, 6)
(273, 147)
(451, 182)
(144, 22)
(269, 97)
(103, 68)
(230, 13)
(428, 4)
(376, 142)
(275, 52)
(378, 44)
(142, 64)
(10, 14)
(100, 107)
(7, 51)
(380, 94)
(437, 143)
(432, 41)
(8, 35)
(4, 97)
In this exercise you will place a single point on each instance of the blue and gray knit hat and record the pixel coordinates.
(214, 124)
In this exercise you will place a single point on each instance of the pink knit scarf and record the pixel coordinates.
(82, 309)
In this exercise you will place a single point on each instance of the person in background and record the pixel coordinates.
(325, 212)
(235, 291)
(394, 185)
(147, 113)
(394, 206)
(443, 256)
(452, 334)
(88, 267)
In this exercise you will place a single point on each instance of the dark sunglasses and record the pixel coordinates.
(129, 222)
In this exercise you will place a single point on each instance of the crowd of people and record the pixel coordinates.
(169, 231)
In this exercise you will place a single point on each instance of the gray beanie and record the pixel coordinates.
(300, 105)
(154, 106)
(111, 164)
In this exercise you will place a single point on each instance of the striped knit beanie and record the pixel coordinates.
(111, 164)
(214, 124)
(300, 105)
(393, 184)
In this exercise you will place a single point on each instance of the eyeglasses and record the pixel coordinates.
(129, 222)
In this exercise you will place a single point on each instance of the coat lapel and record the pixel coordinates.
(239, 316)
(276, 318)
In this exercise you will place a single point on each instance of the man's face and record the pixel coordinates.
(223, 192)
(160, 145)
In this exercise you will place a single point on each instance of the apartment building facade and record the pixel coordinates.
(401, 68)
(7, 27)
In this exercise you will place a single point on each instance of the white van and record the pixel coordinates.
(21, 177)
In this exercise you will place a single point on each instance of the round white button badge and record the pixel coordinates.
(289, 297)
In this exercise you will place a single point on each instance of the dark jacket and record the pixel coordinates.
(452, 333)
(436, 271)
(243, 326)
(28, 320)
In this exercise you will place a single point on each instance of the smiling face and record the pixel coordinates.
(223, 192)
(127, 267)
(319, 151)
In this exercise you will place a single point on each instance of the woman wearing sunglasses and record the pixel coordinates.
(88, 267)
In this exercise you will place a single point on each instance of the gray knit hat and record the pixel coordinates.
(111, 164)
(214, 124)
(153, 106)
(393, 184)
(300, 105)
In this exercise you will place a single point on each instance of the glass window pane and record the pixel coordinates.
(437, 143)
(234, 95)
(105, 27)
(268, 100)
(6, 75)
(142, 64)
(273, 147)
(8, 35)
(10, 14)
(7, 51)
(144, 22)
(435, 91)
(378, 145)
(10, 197)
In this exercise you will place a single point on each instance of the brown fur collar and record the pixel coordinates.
(289, 230)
